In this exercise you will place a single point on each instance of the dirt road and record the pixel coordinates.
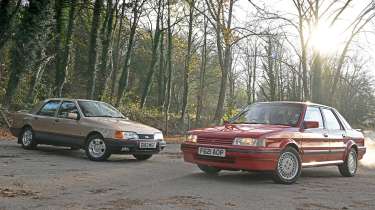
(58, 178)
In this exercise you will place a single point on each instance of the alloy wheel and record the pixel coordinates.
(288, 166)
(97, 148)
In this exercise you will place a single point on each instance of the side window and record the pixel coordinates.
(314, 114)
(67, 107)
(331, 121)
(343, 121)
(49, 109)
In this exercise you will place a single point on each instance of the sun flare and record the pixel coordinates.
(325, 39)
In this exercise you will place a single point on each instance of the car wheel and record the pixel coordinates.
(349, 168)
(96, 148)
(288, 167)
(209, 170)
(27, 138)
(142, 157)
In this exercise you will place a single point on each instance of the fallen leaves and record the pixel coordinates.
(5, 134)
(10, 193)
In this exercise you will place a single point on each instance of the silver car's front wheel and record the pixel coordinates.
(96, 148)
(27, 139)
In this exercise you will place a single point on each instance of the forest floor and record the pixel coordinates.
(58, 178)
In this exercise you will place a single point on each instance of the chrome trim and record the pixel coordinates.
(313, 164)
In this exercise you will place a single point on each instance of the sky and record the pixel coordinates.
(328, 39)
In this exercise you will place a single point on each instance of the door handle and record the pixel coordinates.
(325, 134)
(57, 120)
(344, 135)
(36, 118)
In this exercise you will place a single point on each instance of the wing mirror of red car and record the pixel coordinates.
(310, 124)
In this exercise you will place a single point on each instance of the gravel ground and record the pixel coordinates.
(58, 178)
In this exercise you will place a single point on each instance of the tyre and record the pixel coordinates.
(142, 157)
(96, 148)
(27, 138)
(349, 167)
(288, 167)
(209, 170)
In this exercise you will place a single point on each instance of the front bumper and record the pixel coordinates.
(250, 159)
(132, 146)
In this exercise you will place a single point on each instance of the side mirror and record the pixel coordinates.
(72, 116)
(310, 124)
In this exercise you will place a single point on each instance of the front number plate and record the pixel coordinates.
(211, 152)
(147, 145)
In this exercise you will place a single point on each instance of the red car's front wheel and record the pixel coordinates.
(288, 167)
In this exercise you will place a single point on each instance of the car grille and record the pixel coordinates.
(216, 141)
(146, 136)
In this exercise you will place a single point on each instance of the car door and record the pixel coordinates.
(43, 122)
(69, 130)
(315, 141)
(336, 134)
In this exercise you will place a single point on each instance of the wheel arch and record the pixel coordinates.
(351, 144)
(291, 143)
(91, 134)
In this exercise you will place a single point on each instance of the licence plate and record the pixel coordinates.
(211, 152)
(147, 145)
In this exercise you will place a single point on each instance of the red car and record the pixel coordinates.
(280, 137)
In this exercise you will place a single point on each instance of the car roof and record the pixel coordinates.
(306, 103)
(69, 99)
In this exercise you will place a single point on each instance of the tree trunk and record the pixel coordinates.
(6, 20)
(188, 60)
(169, 71)
(161, 86)
(32, 24)
(154, 58)
(62, 55)
(123, 83)
(37, 77)
(254, 70)
(116, 54)
(226, 62)
(93, 48)
(106, 41)
(202, 74)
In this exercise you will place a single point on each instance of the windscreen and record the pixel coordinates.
(99, 109)
(272, 114)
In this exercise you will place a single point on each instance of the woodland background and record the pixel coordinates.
(178, 64)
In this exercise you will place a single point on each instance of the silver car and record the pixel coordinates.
(96, 127)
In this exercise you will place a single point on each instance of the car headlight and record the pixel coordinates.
(158, 136)
(127, 135)
(191, 138)
(249, 142)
